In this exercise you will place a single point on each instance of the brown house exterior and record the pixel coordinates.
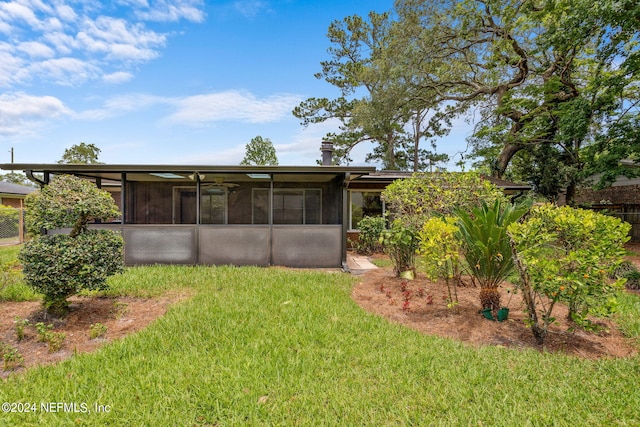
(239, 215)
(621, 199)
(13, 194)
(365, 195)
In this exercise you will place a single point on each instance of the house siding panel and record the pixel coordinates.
(160, 245)
(234, 245)
(307, 246)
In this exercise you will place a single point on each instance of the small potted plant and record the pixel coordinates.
(503, 313)
(486, 312)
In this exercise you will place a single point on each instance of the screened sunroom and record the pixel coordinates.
(239, 215)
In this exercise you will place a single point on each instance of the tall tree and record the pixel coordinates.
(544, 75)
(16, 178)
(260, 152)
(81, 154)
(374, 106)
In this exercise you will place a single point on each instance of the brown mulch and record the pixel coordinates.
(121, 316)
(379, 292)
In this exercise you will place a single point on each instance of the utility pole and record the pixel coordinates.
(11, 155)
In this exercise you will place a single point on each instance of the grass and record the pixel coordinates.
(382, 262)
(11, 286)
(9, 253)
(258, 346)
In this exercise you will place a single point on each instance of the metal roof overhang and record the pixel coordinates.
(113, 172)
(384, 178)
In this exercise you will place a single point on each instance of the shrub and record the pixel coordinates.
(43, 331)
(97, 330)
(9, 273)
(400, 243)
(413, 200)
(632, 280)
(54, 340)
(486, 246)
(371, 227)
(20, 324)
(566, 255)
(68, 202)
(11, 357)
(59, 265)
(628, 271)
(439, 248)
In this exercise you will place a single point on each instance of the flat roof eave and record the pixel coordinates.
(112, 168)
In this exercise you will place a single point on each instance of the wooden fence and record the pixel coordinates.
(628, 212)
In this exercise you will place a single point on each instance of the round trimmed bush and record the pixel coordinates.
(60, 265)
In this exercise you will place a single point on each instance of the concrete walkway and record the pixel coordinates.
(357, 264)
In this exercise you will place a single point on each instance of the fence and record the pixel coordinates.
(628, 212)
(11, 225)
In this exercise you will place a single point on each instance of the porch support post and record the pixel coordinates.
(197, 233)
(123, 201)
(197, 198)
(123, 197)
(345, 217)
(271, 219)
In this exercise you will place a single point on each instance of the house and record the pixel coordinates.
(365, 195)
(620, 199)
(13, 194)
(240, 215)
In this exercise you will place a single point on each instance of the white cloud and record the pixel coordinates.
(88, 32)
(66, 13)
(219, 156)
(17, 11)
(5, 28)
(117, 77)
(66, 71)
(21, 113)
(306, 143)
(250, 8)
(11, 68)
(114, 30)
(123, 104)
(197, 110)
(63, 43)
(163, 10)
(232, 106)
(135, 101)
(36, 49)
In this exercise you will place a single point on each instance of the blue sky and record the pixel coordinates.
(167, 82)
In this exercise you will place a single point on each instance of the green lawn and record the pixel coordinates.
(9, 253)
(273, 346)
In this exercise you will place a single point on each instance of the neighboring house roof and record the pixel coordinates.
(10, 189)
(507, 185)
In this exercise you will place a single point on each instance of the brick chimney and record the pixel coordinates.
(327, 153)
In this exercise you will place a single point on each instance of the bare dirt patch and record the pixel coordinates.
(121, 316)
(379, 292)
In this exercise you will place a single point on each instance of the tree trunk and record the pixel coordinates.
(391, 154)
(490, 298)
(570, 194)
(528, 295)
(504, 158)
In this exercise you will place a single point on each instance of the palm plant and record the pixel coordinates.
(485, 246)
